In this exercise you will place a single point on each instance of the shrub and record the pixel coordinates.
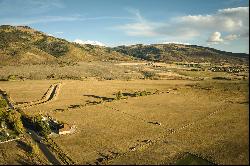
(143, 93)
(221, 78)
(118, 95)
(55, 48)
(3, 103)
(148, 74)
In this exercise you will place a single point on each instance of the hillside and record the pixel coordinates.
(180, 52)
(24, 45)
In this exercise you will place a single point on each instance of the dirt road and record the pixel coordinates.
(50, 95)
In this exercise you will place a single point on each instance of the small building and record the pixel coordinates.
(65, 129)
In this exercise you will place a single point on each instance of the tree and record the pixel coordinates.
(14, 119)
(42, 126)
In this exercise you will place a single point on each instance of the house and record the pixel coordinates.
(65, 129)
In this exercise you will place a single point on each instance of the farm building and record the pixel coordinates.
(65, 129)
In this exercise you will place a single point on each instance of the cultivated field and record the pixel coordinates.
(207, 118)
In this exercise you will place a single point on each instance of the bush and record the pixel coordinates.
(221, 78)
(142, 93)
(148, 74)
(3, 103)
(118, 95)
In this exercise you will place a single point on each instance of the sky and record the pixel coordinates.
(221, 24)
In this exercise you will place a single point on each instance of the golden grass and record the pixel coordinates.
(118, 126)
(12, 154)
(25, 91)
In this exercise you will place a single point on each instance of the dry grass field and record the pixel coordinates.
(12, 154)
(109, 100)
(17, 153)
(207, 118)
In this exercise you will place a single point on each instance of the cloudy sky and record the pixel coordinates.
(222, 24)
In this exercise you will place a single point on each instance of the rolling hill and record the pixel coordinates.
(24, 45)
(180, 52)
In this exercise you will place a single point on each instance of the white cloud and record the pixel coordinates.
(215, 38)
(47, 19)
(79, 41)
(231, 37)
(28, 7)
(141, 27)
(228, 20)
(234, 10)
(44, 19)
(231, 20)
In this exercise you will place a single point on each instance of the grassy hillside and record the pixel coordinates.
(22, 44)
(180, 52)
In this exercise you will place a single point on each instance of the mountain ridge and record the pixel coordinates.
(24, 45)
(181, 52)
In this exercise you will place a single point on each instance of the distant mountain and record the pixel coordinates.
(24, 45)
(179, 52)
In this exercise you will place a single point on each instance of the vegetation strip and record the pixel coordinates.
(118, 96)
